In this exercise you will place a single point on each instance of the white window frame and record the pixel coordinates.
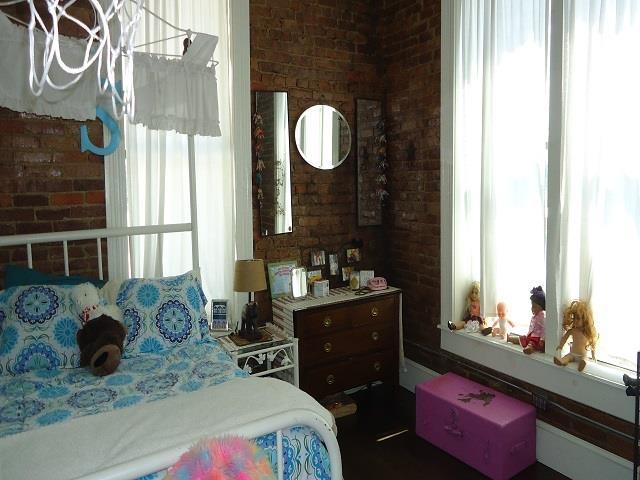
(599, 386)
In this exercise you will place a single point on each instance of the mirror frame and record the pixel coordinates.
(307, 157)
(273, 180)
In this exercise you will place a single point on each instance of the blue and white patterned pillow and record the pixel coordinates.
(162, 312)
(38, 325)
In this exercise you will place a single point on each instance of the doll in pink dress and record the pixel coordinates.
(533, 341)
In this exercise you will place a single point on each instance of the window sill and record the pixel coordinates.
(598, 386)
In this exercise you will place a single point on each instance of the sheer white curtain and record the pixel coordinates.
(157, 162)
(600, 187)
(501, 118)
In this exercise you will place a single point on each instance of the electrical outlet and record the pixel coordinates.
(539, 401)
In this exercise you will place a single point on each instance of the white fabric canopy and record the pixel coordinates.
(178, 94)
(171, 94)
(76, 103)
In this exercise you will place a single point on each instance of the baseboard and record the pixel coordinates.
(555, 448)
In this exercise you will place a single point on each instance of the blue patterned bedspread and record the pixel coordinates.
(45, 397)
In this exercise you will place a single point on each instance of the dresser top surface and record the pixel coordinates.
(336, 296)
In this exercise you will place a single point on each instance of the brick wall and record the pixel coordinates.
(411, 50)
(410, 41)
(47, 184)
(320, 52)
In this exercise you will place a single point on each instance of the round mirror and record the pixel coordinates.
(323, 137)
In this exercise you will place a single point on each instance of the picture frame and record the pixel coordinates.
(317, 258)
(220, 315)
(346, 273)
(371, 160)
(365, 276)
(280, 277)
(353, 255)
(333, 264)
(313, 276)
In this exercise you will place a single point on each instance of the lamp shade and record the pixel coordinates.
(249, 276)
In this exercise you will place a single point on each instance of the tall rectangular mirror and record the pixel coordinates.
(273, 170)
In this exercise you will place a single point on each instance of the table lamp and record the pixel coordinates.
(249, 277)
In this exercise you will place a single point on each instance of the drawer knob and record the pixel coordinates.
(374, 311)
(377, 366)
(331, 379)
(327, 321)
(328, 347)
(375, 336)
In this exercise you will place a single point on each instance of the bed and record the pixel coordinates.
(57, 420)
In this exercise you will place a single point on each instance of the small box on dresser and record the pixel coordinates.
(490, 431)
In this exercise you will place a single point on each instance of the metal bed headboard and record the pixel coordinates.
(97, 234)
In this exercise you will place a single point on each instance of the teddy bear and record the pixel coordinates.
(101, 338)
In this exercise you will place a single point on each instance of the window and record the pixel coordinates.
(156, 168)
(541, 162)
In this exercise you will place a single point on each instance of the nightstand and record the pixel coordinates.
(277, 357)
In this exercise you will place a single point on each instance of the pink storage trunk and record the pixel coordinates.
(484, 428)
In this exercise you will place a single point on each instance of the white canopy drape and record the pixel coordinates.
(171, 94)
(178, 94)
(76, 103)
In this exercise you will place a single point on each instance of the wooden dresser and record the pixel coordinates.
(344, 340)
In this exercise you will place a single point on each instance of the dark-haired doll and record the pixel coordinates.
(533, 341)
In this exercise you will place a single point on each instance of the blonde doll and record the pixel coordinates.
(577, 322)
(472, 320)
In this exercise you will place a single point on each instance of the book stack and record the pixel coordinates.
(340, 405)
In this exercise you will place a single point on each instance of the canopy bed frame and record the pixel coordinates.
(69, 440)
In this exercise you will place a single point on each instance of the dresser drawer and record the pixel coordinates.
(344, 316)
(338, 345)
(380, 310)
(340, 376)
(322, 321)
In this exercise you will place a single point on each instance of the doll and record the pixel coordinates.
(502, 321)
(534, 339)
(472, 320)
(577, 322)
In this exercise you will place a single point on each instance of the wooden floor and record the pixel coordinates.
(405, 456)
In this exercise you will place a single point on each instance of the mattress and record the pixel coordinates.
(130, 423)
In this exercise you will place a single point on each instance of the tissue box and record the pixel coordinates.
(321, 288)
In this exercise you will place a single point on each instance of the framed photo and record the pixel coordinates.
(346, 273)
(219, 315)
(314, 275)
(317, 258)
(365, 276)
(353, 255)
(280, 277)
(333, 264)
